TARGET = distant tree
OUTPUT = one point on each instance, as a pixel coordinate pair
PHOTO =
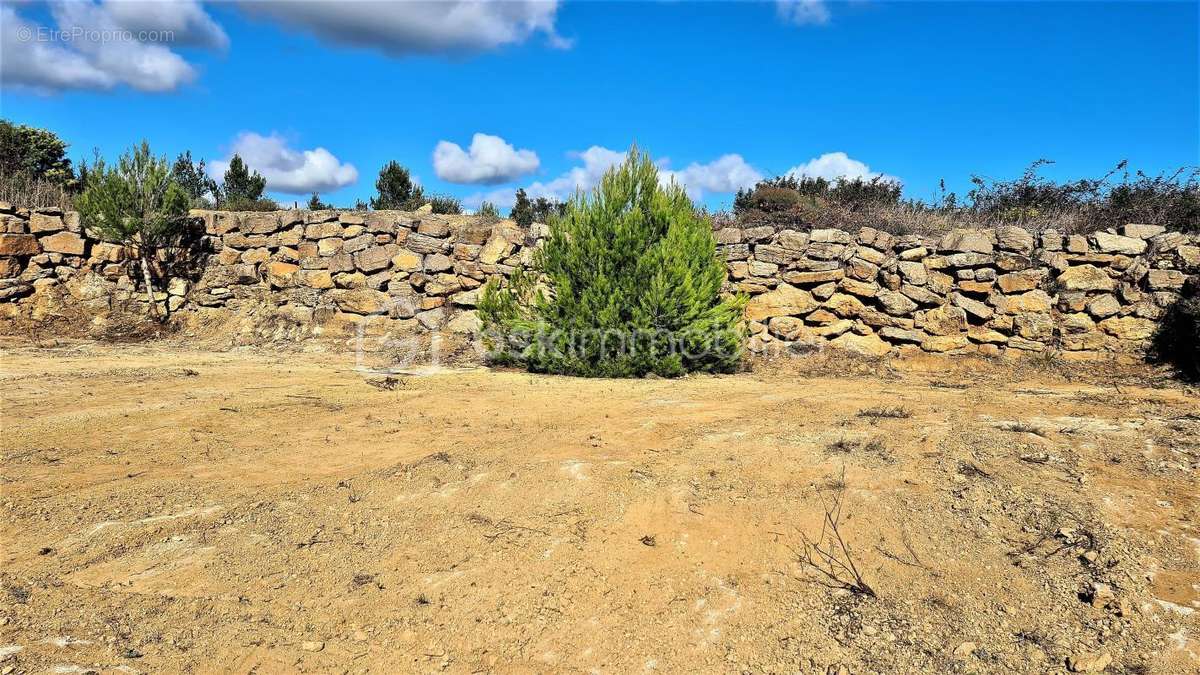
(243, 189)
(195, 181)
(38, 154)
(544, 209)
(522, 210)
(315, 203)
(445, 204)
(488, 210)
(138, 204)
(396, 189)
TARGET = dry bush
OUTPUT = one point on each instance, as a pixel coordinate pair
(21, 190)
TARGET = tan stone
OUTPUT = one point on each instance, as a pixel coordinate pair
(859, 288)
(1012, 238)
(867, 345)
(970, 306)
(318, 231)
(913, 272)
(496, 249)
(44, 222)
(329, 246)
(1032, 301)
(256, 255)
(982, 334)
(1089, 662)
(967, 241)
(10, 268)
(1025, 280)
(979, 287)
(1104, 305)
(945, 343)
(315, 278)
(1034, 326)
(944, 320)
(376, 258)
(1085, 278)
(360, 300)
(1165, 279)
(1115, 243)
(280, 274)
(787, 327)
(846, 306)
(1128, 327)
(64, 242)
(783, 301)
(804, 278)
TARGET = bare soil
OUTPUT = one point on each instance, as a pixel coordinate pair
(168, 509)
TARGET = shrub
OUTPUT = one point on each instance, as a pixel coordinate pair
(315, 203)
(195, 181)
(488, 210)
(34, 169)
(628, 283)
(396, 190)
(37, 153)
(1177, 340)
(137, 204)
(243, 189)
(1031, 201)
(445, 204)
(522, 210)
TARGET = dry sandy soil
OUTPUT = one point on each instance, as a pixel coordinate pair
(168, 509)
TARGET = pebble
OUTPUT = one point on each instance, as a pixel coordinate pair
(964, 650)
(313, 646)
(1088, 662)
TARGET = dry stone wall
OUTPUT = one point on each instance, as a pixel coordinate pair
(984, 291)
(330, 272)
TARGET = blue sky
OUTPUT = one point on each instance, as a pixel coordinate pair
(320, 95)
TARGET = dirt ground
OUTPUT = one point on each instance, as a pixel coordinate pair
(169, 509)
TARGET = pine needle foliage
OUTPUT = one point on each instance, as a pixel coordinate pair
(628, 283)
(136, 203)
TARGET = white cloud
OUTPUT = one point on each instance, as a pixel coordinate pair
(729, 173)
(596, 160)
(297, 172)
(105, 45)
(803, 12)
(503, 198)
(835, 165)
(489, 161)
(418, 27)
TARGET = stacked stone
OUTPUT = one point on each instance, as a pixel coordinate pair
(47, 262)
(986, 291)
(329, 266)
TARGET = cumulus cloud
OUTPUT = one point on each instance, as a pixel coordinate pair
(596, 160)
(297, 172)
(105, 45)
(728, 173)
(725, 174)
(489, 161)
(803, 12)
(418, 27)
(835, 165)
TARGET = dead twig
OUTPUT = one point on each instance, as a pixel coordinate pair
(828, 558)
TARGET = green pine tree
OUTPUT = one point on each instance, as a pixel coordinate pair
(632, 285)
(396, 189)
(242, 187)
(522, 210)
(137, 204)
